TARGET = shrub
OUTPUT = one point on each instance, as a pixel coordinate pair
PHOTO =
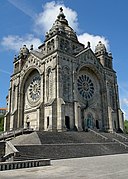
(126, 126)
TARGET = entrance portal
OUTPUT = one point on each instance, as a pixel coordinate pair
(89, 121)
(67, 122)
(115, 124)
(97, 124)
(28, 125)
(47, 121)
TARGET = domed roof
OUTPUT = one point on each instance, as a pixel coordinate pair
(61, 26)
(100, 47)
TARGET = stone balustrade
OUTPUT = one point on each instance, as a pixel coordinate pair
(24, 164)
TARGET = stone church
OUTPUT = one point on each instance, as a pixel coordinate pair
(63, 85)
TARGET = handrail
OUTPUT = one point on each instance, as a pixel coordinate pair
(120, 143)
(123, 137)
(102, 136)
(12, 133)
(24, 164)
(10, 152)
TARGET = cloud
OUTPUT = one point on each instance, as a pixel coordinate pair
(43, 22)
(45, 19)
(15, 42)
(85, 37)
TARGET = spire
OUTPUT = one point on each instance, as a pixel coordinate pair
(61, 14)
(61, 17)
(100, 48)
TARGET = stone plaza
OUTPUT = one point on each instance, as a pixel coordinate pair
(101, 167)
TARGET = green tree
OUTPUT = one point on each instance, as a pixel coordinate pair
(1, 123)
(126, 126)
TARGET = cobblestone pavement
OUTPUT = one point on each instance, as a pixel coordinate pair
(101, 167)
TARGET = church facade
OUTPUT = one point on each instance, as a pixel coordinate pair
(63, 85)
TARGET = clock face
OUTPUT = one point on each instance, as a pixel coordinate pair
(34, 89)
(85, 87)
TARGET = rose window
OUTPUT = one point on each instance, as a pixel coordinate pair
(34, 89)
(85, 87)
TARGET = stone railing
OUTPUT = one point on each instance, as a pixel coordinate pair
(121, 136)
(13, 133)
(24, 164)
(10, 152)
(98, 134)
(121, 143)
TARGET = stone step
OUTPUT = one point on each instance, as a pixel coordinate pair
(57, 151)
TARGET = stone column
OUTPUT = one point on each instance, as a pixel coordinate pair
(11, 121)
(110, 119)
(60, 114)
(121, 119)
(38, 119)
(20, 110)
(77, 111)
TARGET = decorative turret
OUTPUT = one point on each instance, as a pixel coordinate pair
(19, 60)
(102, 54)
(24, 51)
(100, 48)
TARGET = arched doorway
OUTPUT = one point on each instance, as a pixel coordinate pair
(114, 124)
(47, 121)
(89, 121)
(67, 122)
(28, 125)
(97, 124)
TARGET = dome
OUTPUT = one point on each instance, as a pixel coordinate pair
(61, 26)
(100, 47)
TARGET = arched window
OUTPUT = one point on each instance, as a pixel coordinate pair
(66, 83)
(52, 44)
(62, 44)
(49, 83)
(67, 122)
(13, 96)
(111, 96)
(48, 47)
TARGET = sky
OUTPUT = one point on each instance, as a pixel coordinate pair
(27, 21)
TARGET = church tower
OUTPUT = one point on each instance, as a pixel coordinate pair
(63, 85)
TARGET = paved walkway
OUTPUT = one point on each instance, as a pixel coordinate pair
(101, 167)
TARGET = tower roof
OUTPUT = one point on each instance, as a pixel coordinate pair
(61, 26)
(100, 47)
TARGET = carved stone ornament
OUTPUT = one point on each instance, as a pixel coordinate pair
(34, 89)
(85, 87)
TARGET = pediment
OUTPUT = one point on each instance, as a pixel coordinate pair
(87, 56)
(31, 61)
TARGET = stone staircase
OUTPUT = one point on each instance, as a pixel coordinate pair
(121, 137)
(68, 137)
(55, 145)
(68, 151)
